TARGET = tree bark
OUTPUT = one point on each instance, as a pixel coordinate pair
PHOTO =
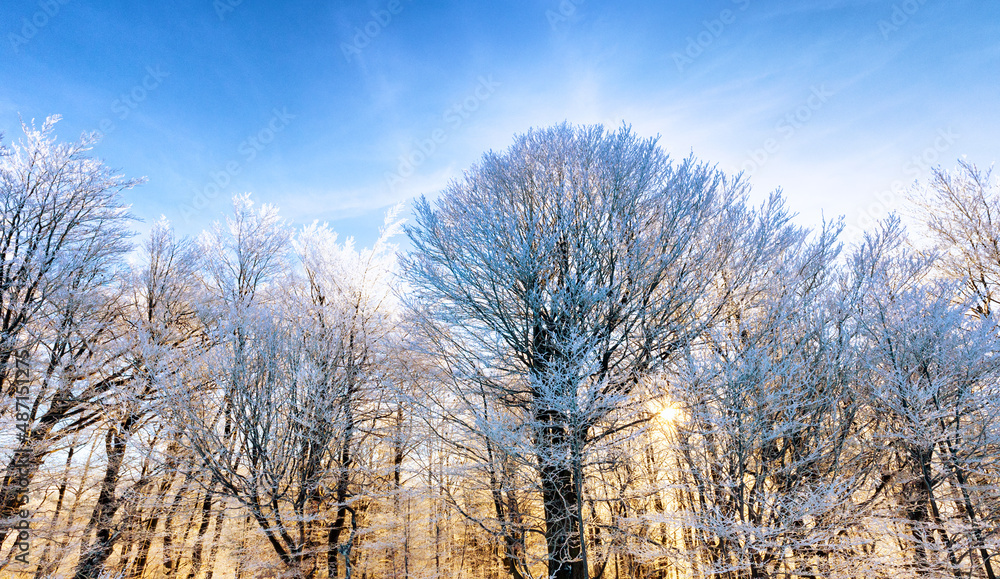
(559, 499)
(92, 562)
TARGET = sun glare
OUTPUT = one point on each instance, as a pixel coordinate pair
(668, 414)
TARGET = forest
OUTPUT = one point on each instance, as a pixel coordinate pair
(583, 359)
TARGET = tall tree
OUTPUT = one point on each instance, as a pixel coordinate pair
(961, 211)
(160, 328)
(63, 232)
(564, 270)
(768, 437)
(298, 386)
(932, 375)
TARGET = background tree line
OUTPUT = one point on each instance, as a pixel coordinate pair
(593, 361)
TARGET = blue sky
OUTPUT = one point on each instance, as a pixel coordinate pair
(336, 110)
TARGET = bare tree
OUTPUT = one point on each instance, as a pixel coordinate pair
(961, 211)
(933, 372)
(63, 234)
(768, 432)
(348, 314)
(567, 268)
(161, 330)
(296, 386)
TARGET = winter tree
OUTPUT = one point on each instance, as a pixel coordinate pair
(161, 333)
(961, 211)
(562, 272)
(64, 231)
(931, 379)
(298, 380)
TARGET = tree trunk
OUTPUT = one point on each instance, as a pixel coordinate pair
(216, 538)
(149, 526)
(92, 562)
(46, 568)
(206, 519)
(559, 499)
(170, 564)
